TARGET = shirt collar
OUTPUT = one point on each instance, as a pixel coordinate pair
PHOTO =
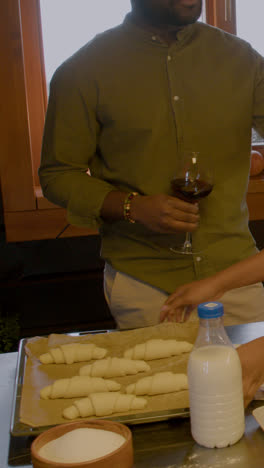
(184, 35)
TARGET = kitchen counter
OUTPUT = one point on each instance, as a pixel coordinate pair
(165, 444)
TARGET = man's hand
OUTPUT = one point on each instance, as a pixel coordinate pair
(252, 361)
(165, 214)
(179, 305)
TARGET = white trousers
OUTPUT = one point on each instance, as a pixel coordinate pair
(134, 304)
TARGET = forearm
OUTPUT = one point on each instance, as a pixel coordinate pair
(113, 206)
(251, 357)
(114, 203)
(241, 274)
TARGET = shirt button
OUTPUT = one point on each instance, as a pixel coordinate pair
(169, 58)
(198, 259)
(176, 98)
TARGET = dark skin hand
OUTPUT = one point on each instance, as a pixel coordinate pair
(252, 362)
(160, 212)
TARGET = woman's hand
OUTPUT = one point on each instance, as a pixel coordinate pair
(252, 361)
(188, 296)
(179, 305)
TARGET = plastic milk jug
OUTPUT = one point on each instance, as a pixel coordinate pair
(215, 382)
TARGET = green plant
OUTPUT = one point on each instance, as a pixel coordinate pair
(9, 332)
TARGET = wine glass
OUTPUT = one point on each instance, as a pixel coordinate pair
(193, 181)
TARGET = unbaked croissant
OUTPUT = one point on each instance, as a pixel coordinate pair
(162, 382)
(78, 386)
(114, 367)
(157, 349)
(103, 404)
(73, 352)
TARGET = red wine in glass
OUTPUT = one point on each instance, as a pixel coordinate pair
(189, 190)
(193, 182)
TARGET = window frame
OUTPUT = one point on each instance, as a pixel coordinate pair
(222, 14)
(27, 214)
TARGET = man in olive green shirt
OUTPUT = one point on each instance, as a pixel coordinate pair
(126, 106)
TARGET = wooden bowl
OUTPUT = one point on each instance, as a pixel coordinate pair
(119, 458)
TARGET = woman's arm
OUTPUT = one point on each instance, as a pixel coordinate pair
(251, 356)
(187, 297)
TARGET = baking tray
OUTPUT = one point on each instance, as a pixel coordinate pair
(18, 428)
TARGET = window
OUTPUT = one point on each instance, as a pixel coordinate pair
(84, 20)
(27, 214)
(249, 27)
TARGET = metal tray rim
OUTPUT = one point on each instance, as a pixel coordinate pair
(20, 429)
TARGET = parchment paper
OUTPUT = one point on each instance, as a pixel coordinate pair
(37, 412)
